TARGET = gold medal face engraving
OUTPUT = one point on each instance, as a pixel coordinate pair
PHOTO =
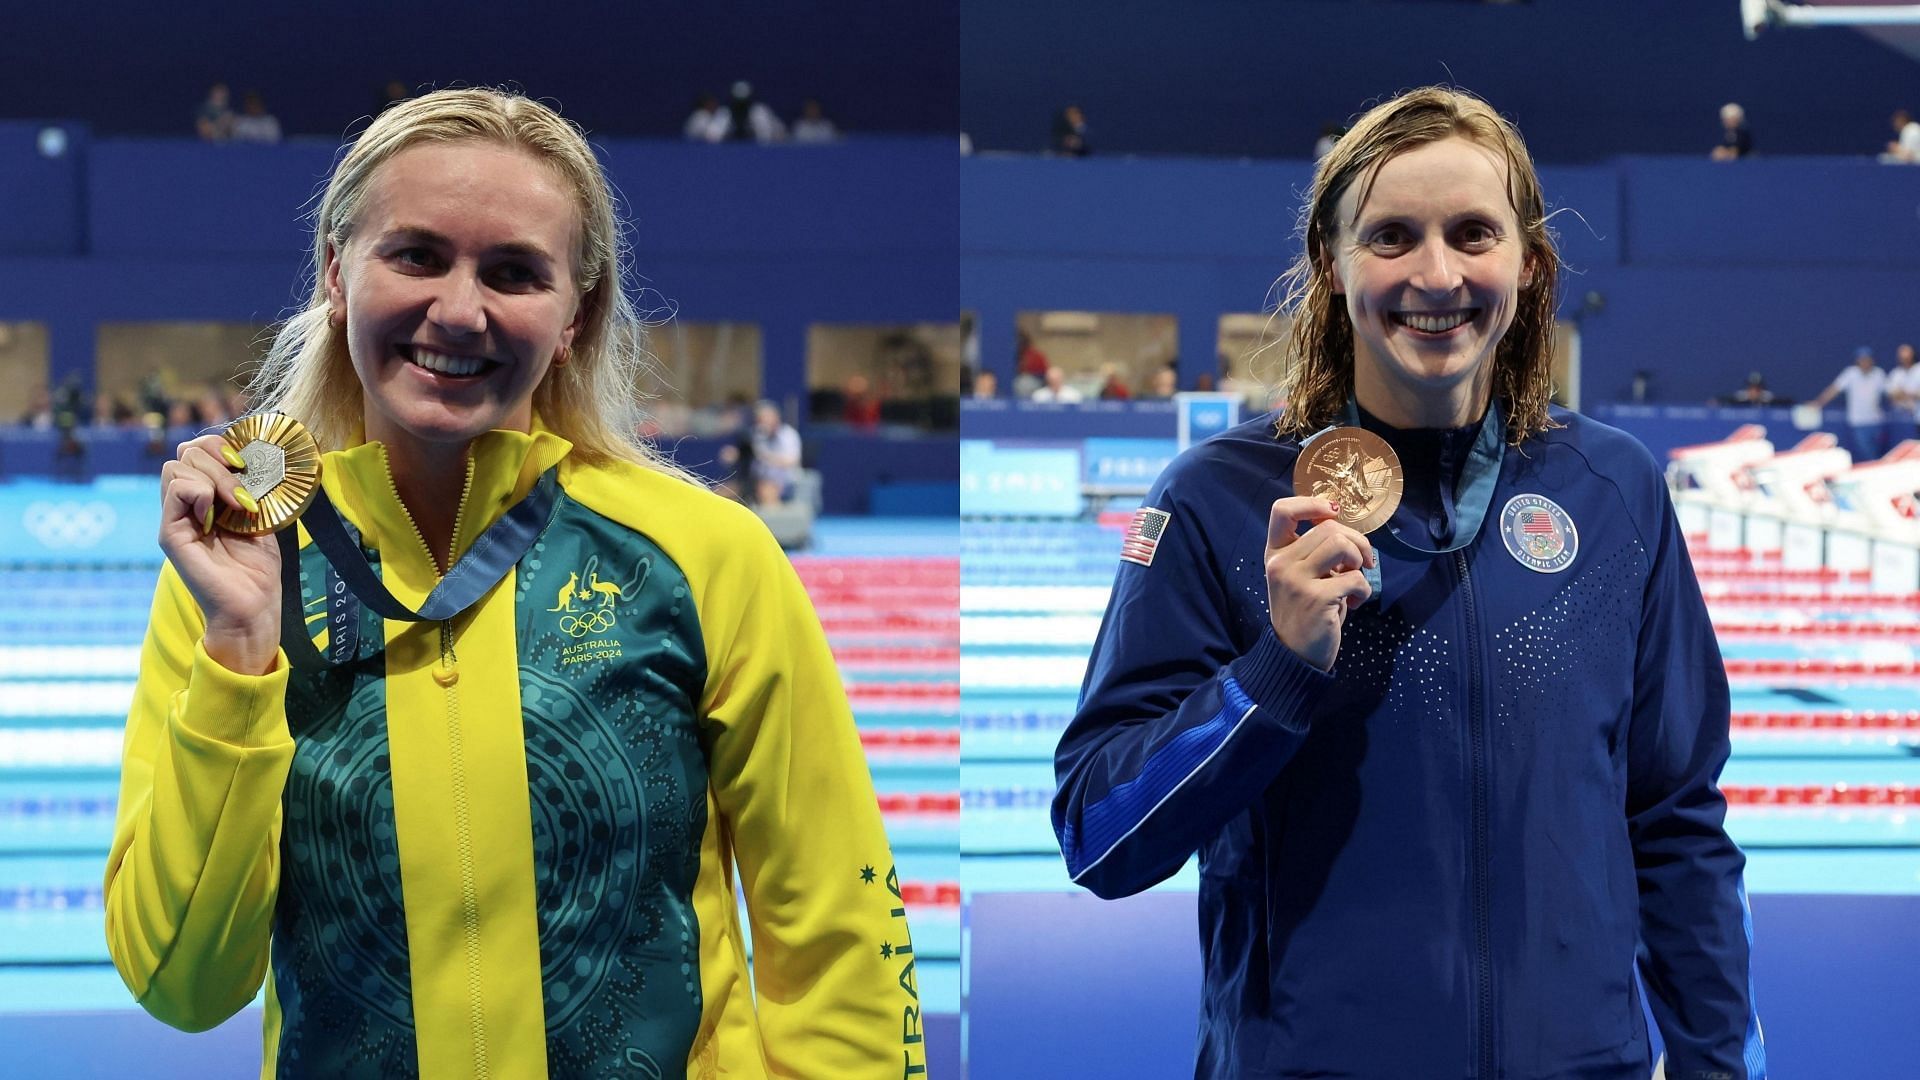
(282, 473)
(1355, 468)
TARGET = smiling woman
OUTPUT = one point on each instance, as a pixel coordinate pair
(496, 831)
(1442, 721)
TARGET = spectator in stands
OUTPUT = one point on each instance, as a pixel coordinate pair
(1057, 389)
(1111, 386)
(255, 124)
(1864, 384)
(776, 455)
(705, 122)
(1030, 366)
(213, 122)
(1903, 390)
(986, 386)
(210, 409)
(1249, 391)
(1163, 384)
(859, 408)
(1905, 147)
(1754, 392)
(39, 411)
(813, 125)
(632, 694)
(748, 119)
(113, 410)
(396, 91)
(1070, 133)
(1736, 141)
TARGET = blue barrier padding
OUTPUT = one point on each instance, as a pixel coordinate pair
(1064, 984)
(128, 1042)
(923, 499)
(1041, 482)
(1663, 428)
(854, 465)
(1003, 419)
(113, 520)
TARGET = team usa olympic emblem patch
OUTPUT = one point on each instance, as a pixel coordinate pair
(1539, 534)
(1143, 535)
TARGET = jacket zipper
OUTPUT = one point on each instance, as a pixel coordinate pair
(1481, 872)
(446, 674)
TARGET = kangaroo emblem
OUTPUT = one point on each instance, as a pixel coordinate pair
(565, 599)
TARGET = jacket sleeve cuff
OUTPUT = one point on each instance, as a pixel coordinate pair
(1276, 679)
(245, 711)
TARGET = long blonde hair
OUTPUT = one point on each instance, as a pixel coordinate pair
(594, 400)
(1319, 350)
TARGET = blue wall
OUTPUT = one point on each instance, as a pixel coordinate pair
(137, 229)
(1704, 271)
(617, 68)
(1585, 79)
(129, 229)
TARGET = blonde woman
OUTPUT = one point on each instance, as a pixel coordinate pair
(501, 840)
(1446, 764)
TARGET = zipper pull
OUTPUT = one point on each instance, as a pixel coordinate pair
(444, 672)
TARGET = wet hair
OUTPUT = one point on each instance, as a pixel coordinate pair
(1319, 348)
(593, 400)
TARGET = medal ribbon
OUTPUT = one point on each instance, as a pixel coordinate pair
(351, 580)
(1473, 494)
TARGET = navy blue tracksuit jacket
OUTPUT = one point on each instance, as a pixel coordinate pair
(1437, 860)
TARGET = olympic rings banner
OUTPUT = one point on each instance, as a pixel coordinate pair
(112, 519)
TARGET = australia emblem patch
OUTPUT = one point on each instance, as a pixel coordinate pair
(1539, 534)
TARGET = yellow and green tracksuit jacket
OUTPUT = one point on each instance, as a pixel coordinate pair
(503, 846)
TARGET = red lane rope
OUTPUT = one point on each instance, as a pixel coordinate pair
(1820, 795)
(1770, 599)
(1710, 573)
(914, 690)
(942, 803)
(937, 739)
(930, 893)
(1827, 721)
(898, 654)
(1821, 629)
(1889, 669)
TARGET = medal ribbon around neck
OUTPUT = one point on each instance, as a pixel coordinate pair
(1473, 494)
(283, 476)
(351, 580)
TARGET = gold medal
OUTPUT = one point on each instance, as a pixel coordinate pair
(1355, 468)
(282, 473)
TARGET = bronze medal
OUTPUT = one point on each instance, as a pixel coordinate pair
(1355, 468)
(282, 473)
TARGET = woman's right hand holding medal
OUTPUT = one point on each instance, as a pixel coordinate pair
(1313, 579)
(234, 578)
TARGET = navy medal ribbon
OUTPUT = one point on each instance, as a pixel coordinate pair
(351, 581)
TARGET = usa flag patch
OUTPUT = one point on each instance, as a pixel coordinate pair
(1143, 535)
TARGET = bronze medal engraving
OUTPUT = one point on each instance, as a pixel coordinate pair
(282, 473)
(1355, 468)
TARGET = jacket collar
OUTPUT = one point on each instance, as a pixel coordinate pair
(505, 466)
